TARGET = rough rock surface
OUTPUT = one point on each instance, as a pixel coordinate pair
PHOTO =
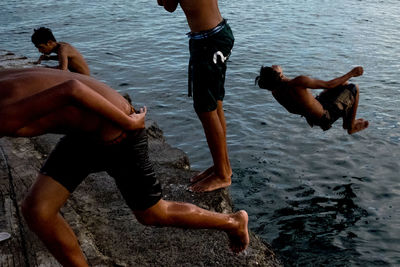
(107, 231)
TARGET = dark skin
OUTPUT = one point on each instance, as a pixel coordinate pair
(204, 15)
(68, 56)
(299, 100)
(41, 100)
(201, 15)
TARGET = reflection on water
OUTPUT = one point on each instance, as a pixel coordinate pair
(311, 226)
(298, 184)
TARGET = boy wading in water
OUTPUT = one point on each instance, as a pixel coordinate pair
(210, 44)
(68, 57)
(103, 133)
(338, 100)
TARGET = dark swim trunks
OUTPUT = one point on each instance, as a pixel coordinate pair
(209, 51)
(337, 103)
(127, 161)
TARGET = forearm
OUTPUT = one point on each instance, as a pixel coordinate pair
(62, 61)
(91, 100)
(355, 72)
(46, 58)
(339, 80)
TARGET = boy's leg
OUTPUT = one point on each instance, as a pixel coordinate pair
(41, 211)
(218, 176)
(210, 170)
(350, 123)
(185, 215)
(221, 115)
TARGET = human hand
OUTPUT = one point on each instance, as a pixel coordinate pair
(357, 71)
(138, 119)
(42, 57)
(39, 60)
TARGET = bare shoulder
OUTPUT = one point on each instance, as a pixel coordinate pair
(305, 82)
(300, 79)
(67, 48)
(64, 44)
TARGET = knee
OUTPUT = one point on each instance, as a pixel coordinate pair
(36, 213)
(153, 216)
(149, 218)
(145, 219)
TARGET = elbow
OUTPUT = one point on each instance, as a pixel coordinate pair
(72, 89)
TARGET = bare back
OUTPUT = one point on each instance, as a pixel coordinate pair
(201, 14)
(76, 62)
(20, 84)
(16, 84)
(298, 100)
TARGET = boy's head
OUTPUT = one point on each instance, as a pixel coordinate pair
(270, 77)
(44, 40)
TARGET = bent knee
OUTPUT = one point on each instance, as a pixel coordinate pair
(145, 220)
(36, 213)
(149, 218)
(156, 215)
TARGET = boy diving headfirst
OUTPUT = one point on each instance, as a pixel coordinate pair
(103, 133)
(338, 100)
(210, 44)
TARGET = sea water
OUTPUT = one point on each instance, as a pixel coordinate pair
(319, 198)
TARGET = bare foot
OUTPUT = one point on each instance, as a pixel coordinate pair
(358, 125)
(202, 175)
(210, 183)
(239, 238)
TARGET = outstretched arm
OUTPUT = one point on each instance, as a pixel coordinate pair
(169, 5)
(307, 82)
(45, 57)
(71, 93)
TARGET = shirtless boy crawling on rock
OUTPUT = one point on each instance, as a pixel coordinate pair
(68, 57)
(338, 100)
(109, 136)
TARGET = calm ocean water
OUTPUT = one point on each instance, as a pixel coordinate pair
(320, 198)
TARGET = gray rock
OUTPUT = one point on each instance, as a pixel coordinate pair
(106, 228)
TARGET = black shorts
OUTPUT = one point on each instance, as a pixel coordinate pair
(75, 157)
(207, 68)
(337, 103)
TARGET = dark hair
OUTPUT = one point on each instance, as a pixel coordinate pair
(269, 79)
(42, 36)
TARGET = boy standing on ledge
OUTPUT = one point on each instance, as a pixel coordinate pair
(68, 57)
(210, 44)
(338, 100)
